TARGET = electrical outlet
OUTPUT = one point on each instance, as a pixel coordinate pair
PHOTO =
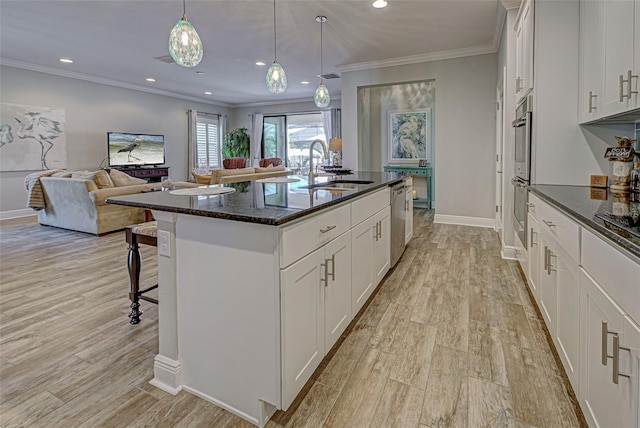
(164, 243)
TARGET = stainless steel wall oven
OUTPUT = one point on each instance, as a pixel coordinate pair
(522, 166)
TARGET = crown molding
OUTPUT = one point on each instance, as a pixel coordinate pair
(88, 78)
(272, 103)
(416, 59)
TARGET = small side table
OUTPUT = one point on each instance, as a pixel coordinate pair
(418, 173)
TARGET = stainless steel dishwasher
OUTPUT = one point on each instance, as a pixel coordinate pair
(398, 217)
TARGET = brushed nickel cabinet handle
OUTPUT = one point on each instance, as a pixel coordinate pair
(328, 229)
(531, 240)
(550, 266)
(616, 359)
(549, 223)
(380, 229)
(375, 232)
(621, 90)
(605, 336)
(326, 278)
(531, 205)
(630, 90)
(546, 258)
(333, 266)
(591, 97)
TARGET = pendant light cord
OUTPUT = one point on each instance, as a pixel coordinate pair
(275, 54)
(184, 10)
(321, 66)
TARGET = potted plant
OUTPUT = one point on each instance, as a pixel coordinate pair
(236, 144)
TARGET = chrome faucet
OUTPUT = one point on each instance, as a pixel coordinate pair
(312, 175)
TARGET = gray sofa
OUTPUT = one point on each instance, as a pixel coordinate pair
(78, 204)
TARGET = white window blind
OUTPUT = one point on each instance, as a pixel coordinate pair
(208, 141)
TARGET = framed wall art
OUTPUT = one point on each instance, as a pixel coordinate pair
(409, 136)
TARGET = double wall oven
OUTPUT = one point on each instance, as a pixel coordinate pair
(522, 166)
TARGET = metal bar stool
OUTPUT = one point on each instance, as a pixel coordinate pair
(143, 233)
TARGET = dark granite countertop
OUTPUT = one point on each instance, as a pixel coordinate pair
(271, 204)
(580, 204)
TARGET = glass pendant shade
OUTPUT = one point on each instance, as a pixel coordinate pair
(185, 46)
(276, 79)
(322, 98)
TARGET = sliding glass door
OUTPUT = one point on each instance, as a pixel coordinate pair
(288, 137)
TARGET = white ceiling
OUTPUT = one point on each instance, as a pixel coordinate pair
(116, 41)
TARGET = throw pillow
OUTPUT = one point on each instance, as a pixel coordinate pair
(120, 179)
(103, 180)
(62, 174)
(84, 175)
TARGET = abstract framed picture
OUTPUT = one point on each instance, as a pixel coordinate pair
(32, 138)
(409, 135)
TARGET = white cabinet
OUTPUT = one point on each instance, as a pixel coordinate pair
(534, 256)
(381, 252)
(316, 310)
(553, 279)
(591, 59)
(337, 288)
(630, 365)
(302, 335)
(601, 318)
(408, 207)
(370, 256)
(610, 57)
(524, 49)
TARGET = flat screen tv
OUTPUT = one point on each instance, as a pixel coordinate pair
(135, 149)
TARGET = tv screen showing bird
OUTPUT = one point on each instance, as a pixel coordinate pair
(127, 149)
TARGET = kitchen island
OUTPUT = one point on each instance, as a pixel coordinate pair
(257, 285)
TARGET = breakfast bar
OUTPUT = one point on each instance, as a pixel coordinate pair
(257, 285)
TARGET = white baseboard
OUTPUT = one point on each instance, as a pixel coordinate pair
(225, 406)
(509, 253)
(27, 212)
(464, 221)
(167, 374)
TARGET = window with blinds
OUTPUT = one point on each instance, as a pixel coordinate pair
(208, 141)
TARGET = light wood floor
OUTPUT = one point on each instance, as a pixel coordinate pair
(451, 339)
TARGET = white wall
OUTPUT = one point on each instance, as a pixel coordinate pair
(464, 128)
(240, 116)
(91, 111)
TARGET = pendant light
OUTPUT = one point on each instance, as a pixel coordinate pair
(276, 79)
(321, 98)
(185, 46)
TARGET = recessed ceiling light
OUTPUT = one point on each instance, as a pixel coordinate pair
(207, 93)
(150, 79)
(199, 72)
(304, 82)
(379, 4)
(66, 60)
(260, 64)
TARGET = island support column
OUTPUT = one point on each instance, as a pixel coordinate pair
(167, 370)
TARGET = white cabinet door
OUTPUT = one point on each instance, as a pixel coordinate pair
(630, 365)
(591, 59)
(302, 306)
(362, 239)
(408, 222)
(567, 332)
(548, 281)
(618, 35)
(524, 49)
(600, 398)
(382, 245)
(534, 256)
(336, 280)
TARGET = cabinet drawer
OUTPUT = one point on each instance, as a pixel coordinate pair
(302, 238)
(367, 206)
(616, 273)
(559, 226)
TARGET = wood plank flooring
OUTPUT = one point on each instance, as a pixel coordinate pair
(451, 339)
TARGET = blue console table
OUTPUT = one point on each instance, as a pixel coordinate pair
(418, 173)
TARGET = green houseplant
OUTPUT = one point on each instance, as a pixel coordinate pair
(236, 144)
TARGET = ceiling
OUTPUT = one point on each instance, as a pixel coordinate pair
(117, 42)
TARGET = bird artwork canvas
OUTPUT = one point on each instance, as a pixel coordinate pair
(32, 138)
(409, 136)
